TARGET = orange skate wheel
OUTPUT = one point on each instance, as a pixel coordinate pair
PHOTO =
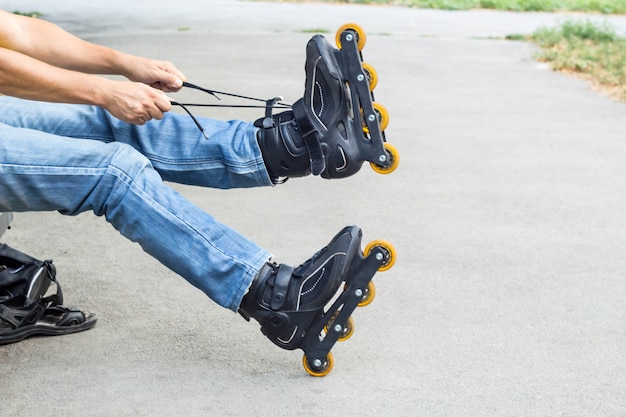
(392, 152)
(357, 30)
(347, 331)
(369, 295)
(383, 115)
(372, 75)
(327, 366)
(390, 253)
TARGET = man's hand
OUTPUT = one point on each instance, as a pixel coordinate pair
(162, 75)
(136, 102)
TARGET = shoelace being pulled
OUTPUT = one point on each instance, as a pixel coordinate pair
(276, 102)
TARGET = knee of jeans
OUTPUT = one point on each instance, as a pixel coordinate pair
(128, 159)
(127, 168)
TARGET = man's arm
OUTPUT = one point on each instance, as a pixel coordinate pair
(25, 77)
(40, 61)
(49, 43)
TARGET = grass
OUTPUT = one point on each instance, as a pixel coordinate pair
(315, 30)
(591, 50)
(29, 14)
(597, 6)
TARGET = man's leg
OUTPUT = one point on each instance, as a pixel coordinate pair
(43, 172)
(230, 158)
(39, 171)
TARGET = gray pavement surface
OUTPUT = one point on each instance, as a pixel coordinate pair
(508, 213)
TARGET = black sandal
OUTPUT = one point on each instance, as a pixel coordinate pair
(35, 315)
(41, 319)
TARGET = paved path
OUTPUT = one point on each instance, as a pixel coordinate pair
(508, 213)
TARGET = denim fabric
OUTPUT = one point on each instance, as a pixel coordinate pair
(74, 158)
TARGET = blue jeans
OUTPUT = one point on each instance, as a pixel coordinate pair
(73, 158)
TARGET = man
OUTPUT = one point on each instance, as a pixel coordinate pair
(73, 141)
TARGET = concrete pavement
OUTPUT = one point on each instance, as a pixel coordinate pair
(507, 213)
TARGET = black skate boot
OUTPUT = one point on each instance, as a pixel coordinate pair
(292, 304)
(336, 126)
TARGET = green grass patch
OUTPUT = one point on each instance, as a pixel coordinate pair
(599, 6)
(517, 37)
(594, 6)
(29, 14)
(594, 50)
(315, 30)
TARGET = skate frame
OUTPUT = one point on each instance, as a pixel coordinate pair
(363, 100)
(325, 331)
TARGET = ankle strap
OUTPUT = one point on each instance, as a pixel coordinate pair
(281, 286)
(311, 138)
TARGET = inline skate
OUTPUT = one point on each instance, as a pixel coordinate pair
(309, 307)
(337, 125)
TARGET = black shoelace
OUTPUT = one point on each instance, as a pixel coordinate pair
(270, 104)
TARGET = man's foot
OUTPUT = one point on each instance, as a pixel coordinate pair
(285, 300)
(335, 127)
